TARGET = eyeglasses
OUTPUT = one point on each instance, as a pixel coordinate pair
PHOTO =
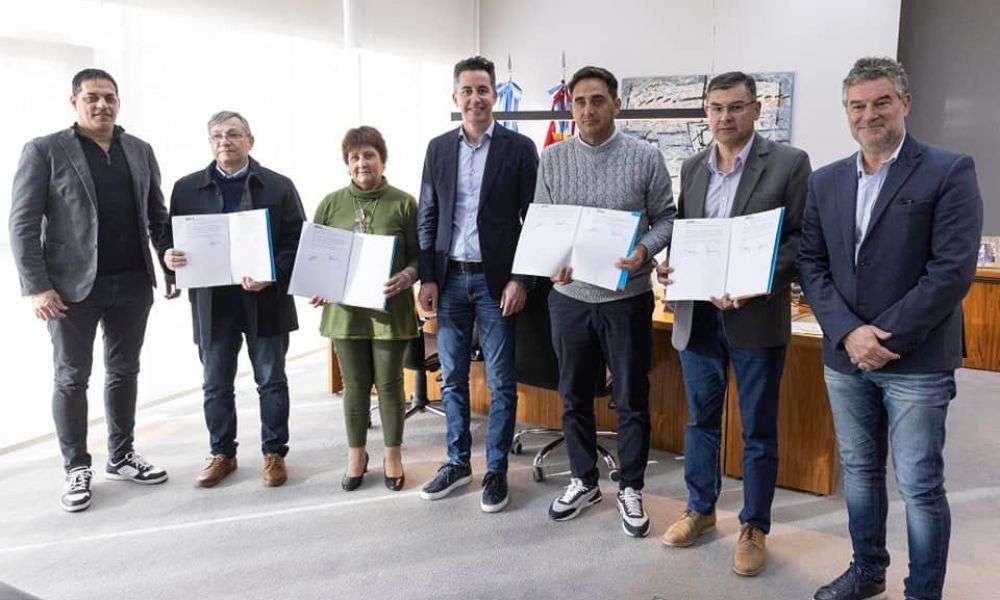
(229, 136)
(735, 109)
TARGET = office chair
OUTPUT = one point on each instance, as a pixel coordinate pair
(418, 360)
(421, 357)
(537, 366)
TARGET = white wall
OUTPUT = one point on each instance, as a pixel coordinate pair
(817, 40)
(284, 65)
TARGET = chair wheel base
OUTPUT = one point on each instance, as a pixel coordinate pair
(538, 474)
(517, 448)
(614, 475)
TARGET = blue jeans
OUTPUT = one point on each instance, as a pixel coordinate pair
(758, 380)
(219, 360)
(874, 413)
(466, 299)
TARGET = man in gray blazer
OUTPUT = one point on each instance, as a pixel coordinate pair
(86, 204)
(740, 173)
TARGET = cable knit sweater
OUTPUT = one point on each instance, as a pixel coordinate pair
(623, 173)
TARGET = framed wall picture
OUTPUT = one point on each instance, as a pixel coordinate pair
(989, 248)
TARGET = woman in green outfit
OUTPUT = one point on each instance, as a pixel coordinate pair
(370, 343)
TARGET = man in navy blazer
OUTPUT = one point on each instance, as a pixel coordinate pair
(478, 181)
(888, 251)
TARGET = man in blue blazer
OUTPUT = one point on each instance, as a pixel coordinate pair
(888, 251)
(478, 181)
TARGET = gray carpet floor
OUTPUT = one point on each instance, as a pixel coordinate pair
(309, 539)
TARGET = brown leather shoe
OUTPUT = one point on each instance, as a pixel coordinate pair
(215, 470)
(686, 529)
(750, 558)
(274, 470)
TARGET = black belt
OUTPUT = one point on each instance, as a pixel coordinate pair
(465, 267)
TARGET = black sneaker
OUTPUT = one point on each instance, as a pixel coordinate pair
(76, 489)
(134, 468)
(634, 519)
(851, 585)
(448, 478)
(494, 492)
(578, 496)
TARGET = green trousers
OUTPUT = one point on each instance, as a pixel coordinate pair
(364, 363)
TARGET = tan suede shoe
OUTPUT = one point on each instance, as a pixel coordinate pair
(215, 470)
(686, 529)
(274, 470)
(750, 558)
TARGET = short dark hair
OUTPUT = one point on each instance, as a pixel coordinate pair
(477, 63)
(725, 81)
(90, 75)
(364, 136)
(591, 72)
(870, 68)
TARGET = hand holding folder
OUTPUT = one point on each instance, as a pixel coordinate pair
(724, 258)
(587, 240)
(224, 249)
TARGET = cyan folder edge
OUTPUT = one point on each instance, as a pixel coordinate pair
(623, 279)
(270, 243)
(777, 247)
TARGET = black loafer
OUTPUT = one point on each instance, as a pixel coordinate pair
(395, 483)
(352, 483)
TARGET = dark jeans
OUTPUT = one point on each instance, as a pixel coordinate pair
(120, 303)
(219, 361)
(758, 380)
(465, 300)
(621, 332)
(874, 413)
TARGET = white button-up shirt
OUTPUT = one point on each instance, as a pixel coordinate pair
(869, 187)
(721, 185)
(464, 228)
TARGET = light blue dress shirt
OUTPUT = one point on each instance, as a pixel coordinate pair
(721, 185)
(869, 187)
(464, 228)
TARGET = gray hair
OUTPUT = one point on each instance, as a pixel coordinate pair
(871, 68)
(225, 115)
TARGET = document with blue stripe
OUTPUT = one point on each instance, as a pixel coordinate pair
(715, 257)
(588, 239)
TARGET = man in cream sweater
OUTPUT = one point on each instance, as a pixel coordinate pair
(603, 167)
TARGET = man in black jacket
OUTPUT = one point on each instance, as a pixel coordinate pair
(478, 181)
(261, 311)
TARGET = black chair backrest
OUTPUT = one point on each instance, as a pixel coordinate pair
(535, 360)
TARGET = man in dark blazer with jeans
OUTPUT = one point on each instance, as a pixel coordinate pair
(260, 311)
(86, 204)
(890, 239)
(478, 181)
(740, 173)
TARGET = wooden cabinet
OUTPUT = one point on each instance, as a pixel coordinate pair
(982, 321)
(807, 446)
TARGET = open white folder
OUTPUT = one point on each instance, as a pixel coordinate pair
(714, 257)
(342, 266)
(585, 238)
(222, 249)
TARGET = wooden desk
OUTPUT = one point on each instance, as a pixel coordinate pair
(982, 321)
(806, 442)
